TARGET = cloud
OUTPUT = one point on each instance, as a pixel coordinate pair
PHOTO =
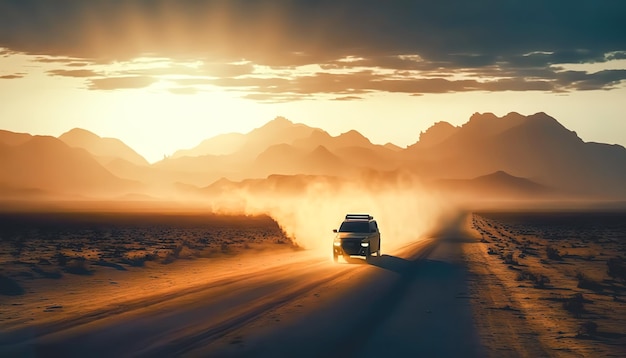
(113, 83)
(431, 46)
(74, 73)
(348, 98)
(13, 76)
(583, 81)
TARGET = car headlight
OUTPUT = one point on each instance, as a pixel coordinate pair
(365, 244)
(337, 242)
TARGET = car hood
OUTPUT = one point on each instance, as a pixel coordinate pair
(352, 235)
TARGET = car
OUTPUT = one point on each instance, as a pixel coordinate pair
(358, 235)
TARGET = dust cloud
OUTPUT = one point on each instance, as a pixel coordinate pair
(405, 210)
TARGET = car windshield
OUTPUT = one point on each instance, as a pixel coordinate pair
(355, 226)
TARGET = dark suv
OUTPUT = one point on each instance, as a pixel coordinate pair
(358, 235)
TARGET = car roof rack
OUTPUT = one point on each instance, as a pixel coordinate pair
(359, 217)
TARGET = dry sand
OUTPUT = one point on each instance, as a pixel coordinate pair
(527, 303)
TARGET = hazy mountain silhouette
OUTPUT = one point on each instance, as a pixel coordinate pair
(536, 147)
(513, 154)
(436, 134)
(45, 164)
(104, 149)
(287, 159)
(393, 147)
(235, 165)
(248, 146)
(319, 137)
(11, 138)
(499, 184)
(273, 184)
(222, 144)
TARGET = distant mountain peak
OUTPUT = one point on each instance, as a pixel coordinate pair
(542, 116)
(498, 174)
(281, 119)
(392, 146)
(542, 122)
(278, 122)
(101, 147)
(488, 124)
(320, 149)
(477, 116)
(355, 137)
(437, 133)
(79, 134)
(513, 116)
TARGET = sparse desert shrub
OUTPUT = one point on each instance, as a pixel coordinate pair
(616, 268)
(226, 249)
(587, 329)
(169, 258)
(139, 260)
(575, 304)
(77, 266)
(587, 282)
(492, 251)
(589, 257)
(553, 253)
(61, 259)
(509, 260)
(538, 280)
(10, 287)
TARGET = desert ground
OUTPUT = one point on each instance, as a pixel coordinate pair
(483, 284)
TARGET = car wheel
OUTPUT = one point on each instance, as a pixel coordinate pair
(368, 254)
(378, 251)
(335, 257)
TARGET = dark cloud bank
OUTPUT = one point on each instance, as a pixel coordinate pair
(517, 45)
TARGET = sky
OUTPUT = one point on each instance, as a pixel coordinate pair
(164, 75)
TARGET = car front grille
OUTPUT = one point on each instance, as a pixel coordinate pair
(351, 246)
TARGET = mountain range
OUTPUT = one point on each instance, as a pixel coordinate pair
(510, 156)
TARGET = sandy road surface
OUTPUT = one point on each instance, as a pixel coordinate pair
(412, 301)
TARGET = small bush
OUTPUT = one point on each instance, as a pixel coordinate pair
(10, 287)
(226, 249)
(61, 259)
(575, 304)
(553, 253)
(538, 280)
(77, 266)
(139, 260)
(587, 282)
(509, 260)
(616, 268)
(587, 329)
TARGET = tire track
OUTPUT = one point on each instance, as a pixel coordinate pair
(24, 335)
(187, 343)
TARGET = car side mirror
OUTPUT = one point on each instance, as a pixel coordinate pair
(334, 230)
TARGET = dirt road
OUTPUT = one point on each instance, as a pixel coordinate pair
(412, 301)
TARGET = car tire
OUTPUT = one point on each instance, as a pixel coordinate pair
(368, 254)
(335, 257)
